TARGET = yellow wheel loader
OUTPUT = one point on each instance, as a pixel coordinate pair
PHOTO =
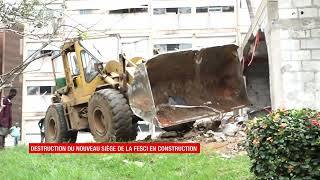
(109, 97)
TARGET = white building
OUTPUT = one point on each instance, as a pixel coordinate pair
(134, 27)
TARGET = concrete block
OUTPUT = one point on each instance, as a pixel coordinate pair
(286, 55)
(315, 54)
(316, 2)
(310, 87)
(284, 34)
(290, 66)
(294, 34)
(317, 77)
(307, 104)
(308, 12)
(310, 43)
(290, 104)
(311, 66)
(290, 44)
(284, 4)
(301, 3)
(299, 33)
(288, 13)
(295, 77)
(317, 96)
(315, 32)
(290, 85)
(306, 96)
(300, 55)
(294, 3)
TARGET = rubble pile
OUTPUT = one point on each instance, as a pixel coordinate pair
(226, 134)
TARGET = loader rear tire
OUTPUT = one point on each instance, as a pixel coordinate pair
(110, 117)
(55, 126)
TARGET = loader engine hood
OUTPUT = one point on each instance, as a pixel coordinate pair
(180, 87)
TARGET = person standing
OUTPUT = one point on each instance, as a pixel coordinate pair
(41, 127)
(6, 116)
(15, 133)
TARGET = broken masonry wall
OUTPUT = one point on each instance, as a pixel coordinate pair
(299, 31)
(257, 83)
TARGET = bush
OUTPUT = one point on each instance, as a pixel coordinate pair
(285, 145)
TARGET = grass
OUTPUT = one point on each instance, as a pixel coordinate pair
(16, 163)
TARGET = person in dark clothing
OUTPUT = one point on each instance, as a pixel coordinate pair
(41, 127)
(6, 116)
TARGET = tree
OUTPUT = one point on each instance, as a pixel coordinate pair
(249, 5)
(26, 12)
(31, 12)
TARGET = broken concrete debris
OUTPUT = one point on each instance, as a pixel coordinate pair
(227, 132)
(242, 133)
(220, 137)
(230, 129)
(207, 124)
(169, 134)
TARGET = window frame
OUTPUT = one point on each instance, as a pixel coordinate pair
(174, 10)
(83, 67)
(38, 91)
(73, 63)
(86, 11)
(47, 93)
(202, 7)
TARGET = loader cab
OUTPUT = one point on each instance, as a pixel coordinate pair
(80, 76)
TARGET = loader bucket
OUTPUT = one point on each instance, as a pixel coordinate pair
(176, 88)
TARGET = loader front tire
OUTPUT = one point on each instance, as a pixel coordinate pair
(110, 117)
(55, 126)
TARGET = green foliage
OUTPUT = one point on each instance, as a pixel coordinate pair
(285, 145)
(33, 12)
(83, 35)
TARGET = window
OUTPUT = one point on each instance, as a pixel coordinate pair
(58, 65)
(172, 10)
(158, 11)
(185, 10)
(88, 66)
(131, 10)
(185, 46)
(201, 9)
(138, 10)
(40, 90)
(86, 11)
(48, 52)
(73, 63)
(33, 90)
(55, 52)
(180, 10)
(228, 9)
(215, 9)
(171, 47)
(30, 52)
(46, 90)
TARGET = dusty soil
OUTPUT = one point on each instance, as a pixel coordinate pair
(226, 145)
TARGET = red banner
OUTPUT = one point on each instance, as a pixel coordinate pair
(40, 148)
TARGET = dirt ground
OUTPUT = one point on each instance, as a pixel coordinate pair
(209, 140)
